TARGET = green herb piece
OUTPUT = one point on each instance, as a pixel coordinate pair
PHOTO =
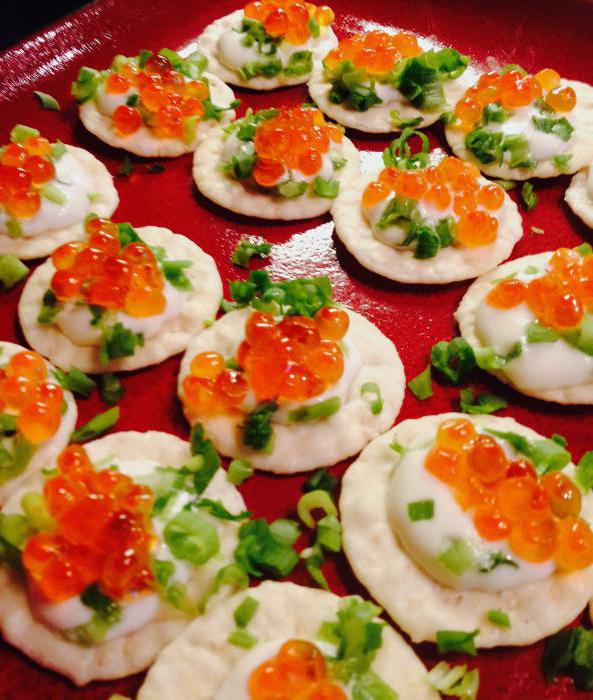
(259, 551)
(14, 461)
(454, 681)
(12, 270)
(349, 87)
(329, 534)
(570, 652)
(561, 128)
(192, 67)
(494, 112)
(495, 560)
(512, 67)
(245, 612)
(299, 63)
(421, 510)
(485, 145)
(239, 471)
(58, 149)
(315, 411)
(399, 123)
(211, 111)
(268, 68)
(487, 358)
(231, 575)
(320, 480)
(315, 500)
(54, 194)
(106, 613)
(247, 249)
(96, 426)
(528, 196)
(35, 510)
(506, 184)
(328, 189)
(47, 101)
(376, 401)
(257, 429)
(482, 404)
(585, 250)
(313, 559)
(14, 228)
(217, 510)
(111, 390)
(76, 381)
(368, 686)
(8, 424)
(561, 162)
(21, 133)
(457, 556)
(104, 606)
(454, 359)
(459, 642)
(192, 538)
(498, 617)
(118, 341)
(518, 147)
(537, 333)
(399, 153)
(209, 461)
(584, 472)
(85, 86)
(421, 384)
(126, 167)
(242, 638)
(546, 454)
(285, 531)
(173, 270)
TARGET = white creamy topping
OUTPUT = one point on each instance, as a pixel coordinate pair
(236, 685)
(542, 146)
(72, 181)
(540, 366)
(75, 319)
(425, 540)
(232, 53)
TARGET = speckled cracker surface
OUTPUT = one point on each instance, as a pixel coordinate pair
(199, 305)
(377, 119)
(208, 44)
(194, 666)
(46, 453)
(579, 195)
(304, 446)
(582, 144)
(232, 194)
(415, 601)
(133, 652)
(449, 265)
(466, 317)
(142, 142)
(105, 204)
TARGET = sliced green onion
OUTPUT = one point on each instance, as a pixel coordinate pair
(315, 500)
(245, 612)
(329, 533)
(58, 149)
(247, 249)
(15, 529)
(21, 133)
(315, 411)
(457, 556)
(12, 270)
(242, 638)
(192, 538)
(506, 184)
(14, 228)
(528, 196)
(205, 449)
(368, 686)
(498, 617)
(96, 426)
(454, 681)
(33, 505)
(483, 404)
(76, 381)
(231, 575)
(454, 359)
(239, 471)
(585, 249)
(47, 101)
(313, 559)
(584, 471)
(457, 641)
(421, 384)
(421, 510)
(285, 531)
(376, 400)
(321, 479)
(112, 389)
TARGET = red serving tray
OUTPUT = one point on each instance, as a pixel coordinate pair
(531, 33)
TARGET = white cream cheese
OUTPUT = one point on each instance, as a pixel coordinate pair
(73, 182)
(426, 540)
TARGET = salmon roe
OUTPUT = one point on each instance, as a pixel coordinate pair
(538, 516)
(512, 90)
(25, 168)
(297, 672)
(102, 273)
(296, 138)
(102, 532)
(290, 20)
(559, 299)
(451, 182)
(26, 393)
(376, 52)
(166, 99)
(295, 359)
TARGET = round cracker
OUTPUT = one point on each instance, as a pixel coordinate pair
(417, 603)
(466, 318)
(579, 198)
(46, 453)
(208, 44)
(133, 652)
(142, 142)
(232, 194)
(286, 611)
(451, 264)
(199, 305)
(43, 244)
(582, 148)
(305, 446)
(377, 119)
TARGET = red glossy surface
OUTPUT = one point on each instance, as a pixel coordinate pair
(531, 33)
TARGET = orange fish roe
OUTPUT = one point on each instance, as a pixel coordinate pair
(288, 19)
(297, 672)
(376, 52)
(167, 100)
(26, 394)
(511, 91)
(451, 182)
(296, 359)
(538, 516)
(102, 532)
(296, 138)
(559, 299)
(102, 273)
(25, 168)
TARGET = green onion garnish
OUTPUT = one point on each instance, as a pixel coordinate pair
(242, 638)
(315, 500)
(373, 389)
(47, 101)
(457, 641)
(421, 384)
(498, 617)
(421, 510)
(96, 426)
(12, 270)
(239, 471)
(246, 610)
